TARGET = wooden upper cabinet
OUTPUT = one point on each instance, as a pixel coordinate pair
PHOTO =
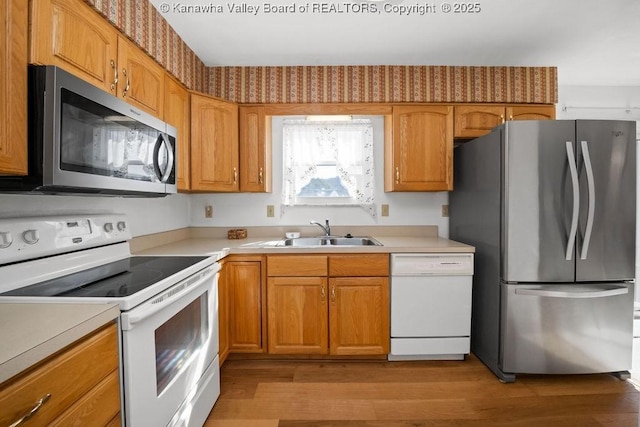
(141, 79)
(214, 144)
(13, 90)
(472, 121)
(255, 150)
(419, 156)
(531, 112)
(176, 113)
(73, 36)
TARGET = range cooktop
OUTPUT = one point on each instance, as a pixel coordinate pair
(116, 279)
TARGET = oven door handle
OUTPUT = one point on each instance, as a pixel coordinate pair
(168, 297)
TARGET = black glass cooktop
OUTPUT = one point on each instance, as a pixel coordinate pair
(117, 279)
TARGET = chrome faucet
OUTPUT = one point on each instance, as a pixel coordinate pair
(325, 228)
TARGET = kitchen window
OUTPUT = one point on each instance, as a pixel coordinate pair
(328, 161)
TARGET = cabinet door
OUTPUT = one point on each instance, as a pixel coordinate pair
(472, 121)
(421, 155)
(141, 79)
(176, 113)
(297, 315)
(531, 112)
(214, 144)
(13, 90)
(359, 316)
(73, 36)
(245, 306)
(255, 150)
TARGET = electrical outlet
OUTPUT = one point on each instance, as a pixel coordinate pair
(271, 211)
(385, 210)
(445, 210)
(208, 211)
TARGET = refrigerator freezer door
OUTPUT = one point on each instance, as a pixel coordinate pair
(567, 329)
(539, 192)
(606, 232)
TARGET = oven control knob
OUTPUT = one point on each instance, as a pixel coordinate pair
(6, 239)
(108, 227)
(122, 225)
(31, 236)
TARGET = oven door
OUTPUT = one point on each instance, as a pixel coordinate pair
(168, 343)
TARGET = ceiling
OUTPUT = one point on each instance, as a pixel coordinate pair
(592, 42)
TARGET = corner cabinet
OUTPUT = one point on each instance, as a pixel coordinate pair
(13, 92)
(472, 121)
(214, 144)
(255, 150)
(419, 153)
(334, 305)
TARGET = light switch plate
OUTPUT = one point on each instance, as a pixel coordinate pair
(445, 210)
(208, 211)
(271, 211)
(384, 210)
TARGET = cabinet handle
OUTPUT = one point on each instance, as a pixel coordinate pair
(333, 293)
(322, 293)
(115, 75)
(33, 411)
(235, 175)
(128, 85)
(502, 118)
(397, 175)
(260, 176)
(511, 117)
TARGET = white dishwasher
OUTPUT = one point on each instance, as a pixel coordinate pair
(430, 306)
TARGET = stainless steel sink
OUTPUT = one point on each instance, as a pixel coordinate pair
(329, 241)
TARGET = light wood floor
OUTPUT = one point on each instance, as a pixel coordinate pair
(268, 393)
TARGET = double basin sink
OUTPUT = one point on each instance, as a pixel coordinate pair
(309, 242)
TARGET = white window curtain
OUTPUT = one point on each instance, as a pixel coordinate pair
(309, 147)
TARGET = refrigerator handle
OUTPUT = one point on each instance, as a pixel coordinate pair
(601, 293)
(592, 199)
(571, 241)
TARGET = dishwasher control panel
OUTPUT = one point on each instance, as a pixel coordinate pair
(431, 264)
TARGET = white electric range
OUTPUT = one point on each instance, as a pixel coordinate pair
(169, 307)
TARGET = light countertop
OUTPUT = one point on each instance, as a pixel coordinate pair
(31, 332)
(267, 245)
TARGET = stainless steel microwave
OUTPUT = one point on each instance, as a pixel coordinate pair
(86, 141)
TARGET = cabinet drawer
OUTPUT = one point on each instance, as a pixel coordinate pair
(297, 265)
(67, 376)
(359, 265)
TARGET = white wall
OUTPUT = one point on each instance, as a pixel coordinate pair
(146, 215)
(248, 209)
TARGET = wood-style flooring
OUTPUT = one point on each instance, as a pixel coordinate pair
(270, 393)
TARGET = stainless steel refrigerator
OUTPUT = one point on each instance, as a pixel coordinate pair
(550, 207)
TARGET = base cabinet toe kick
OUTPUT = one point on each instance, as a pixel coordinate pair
(430, 306)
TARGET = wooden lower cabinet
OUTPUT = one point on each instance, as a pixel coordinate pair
(297, 315)
(83, 381)
(314, 309)
(359, 315)
(242, 278)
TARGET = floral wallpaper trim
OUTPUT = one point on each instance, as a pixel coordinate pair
(143, 24)
(384, 83)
